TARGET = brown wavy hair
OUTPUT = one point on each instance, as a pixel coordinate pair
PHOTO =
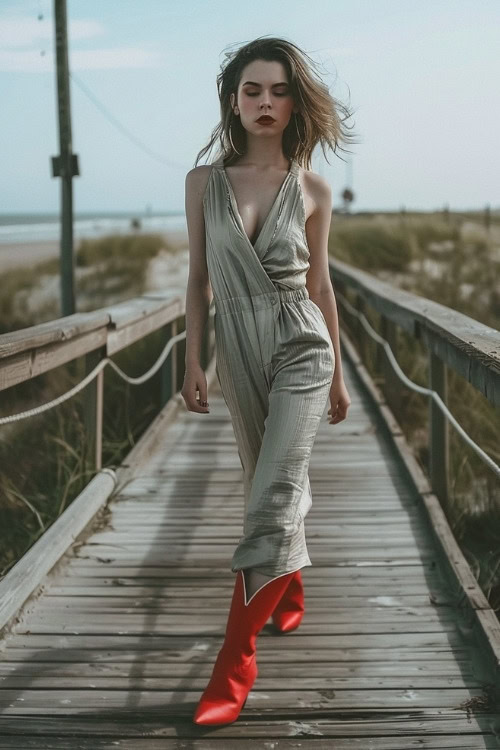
(321, 117)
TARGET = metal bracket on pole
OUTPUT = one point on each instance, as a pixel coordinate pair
(56, 166)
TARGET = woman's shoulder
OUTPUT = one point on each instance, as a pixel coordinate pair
(199, 173)
(197, 178)
(315, 182)
(315, 189)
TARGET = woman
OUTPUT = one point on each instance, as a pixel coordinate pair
(258, 229)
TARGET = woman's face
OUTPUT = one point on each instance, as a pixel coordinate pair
(263, 89)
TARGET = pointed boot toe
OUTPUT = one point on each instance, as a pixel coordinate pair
(212, 713)
(226, 693)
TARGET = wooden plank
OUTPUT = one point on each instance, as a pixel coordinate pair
(406, 603)
(431, 730)
(314, 575)
(355, 533)
(135, 319)
(174, 564)
(62, 588)
(430, 743)
(181, 624)
(389, 674)
(180, 703)
(52, 332)
(393, 641)
(27, 365)
(169, 682)
(95, 649)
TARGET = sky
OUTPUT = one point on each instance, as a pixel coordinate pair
(422, 78)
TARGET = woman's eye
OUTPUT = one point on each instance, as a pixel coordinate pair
(277, 93)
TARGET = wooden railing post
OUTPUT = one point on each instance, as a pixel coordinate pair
(174, 355)
(340, 287)
(361, 333)
(392, 384)
(93, 409)
(168, 369)
(380, 355)
(438, 430)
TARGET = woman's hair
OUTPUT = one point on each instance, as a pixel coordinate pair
(320, 118)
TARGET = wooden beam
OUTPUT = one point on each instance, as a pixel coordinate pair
(439, 457)
(29, 572)
(462, 343)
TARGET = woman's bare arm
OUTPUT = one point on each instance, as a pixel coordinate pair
(319, 284)
(199, 291)
(318, 280)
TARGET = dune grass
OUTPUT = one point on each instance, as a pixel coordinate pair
(108, 270)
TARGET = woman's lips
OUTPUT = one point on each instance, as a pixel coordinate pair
(266, 121)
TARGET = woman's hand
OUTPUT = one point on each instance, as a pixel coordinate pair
(195, 380)
(339, 401)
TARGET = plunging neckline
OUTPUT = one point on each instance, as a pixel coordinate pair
(236, 210)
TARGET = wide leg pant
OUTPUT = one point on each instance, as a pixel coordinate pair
(275, 362)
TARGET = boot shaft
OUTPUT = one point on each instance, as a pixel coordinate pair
(247, 616)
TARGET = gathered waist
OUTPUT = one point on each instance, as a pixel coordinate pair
(259, 301)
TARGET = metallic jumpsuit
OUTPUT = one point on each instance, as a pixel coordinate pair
(275, 363)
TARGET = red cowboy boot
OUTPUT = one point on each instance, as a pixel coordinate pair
(235, 668)
(290, 610)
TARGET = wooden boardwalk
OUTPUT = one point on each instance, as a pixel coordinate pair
(118, 648)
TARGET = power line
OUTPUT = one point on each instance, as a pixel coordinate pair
(114, 121)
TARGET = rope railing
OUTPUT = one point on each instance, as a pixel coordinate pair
(91, 375)
(178, 337)
(414, 386)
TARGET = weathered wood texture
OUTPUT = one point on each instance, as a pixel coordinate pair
(29, 352)
(465, 345)
(118, 648)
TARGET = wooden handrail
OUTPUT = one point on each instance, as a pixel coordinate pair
(452, 340)
(470, 348)
(29, 352)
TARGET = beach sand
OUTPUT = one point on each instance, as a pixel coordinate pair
(19, 254)
(23, 254)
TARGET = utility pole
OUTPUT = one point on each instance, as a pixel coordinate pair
(66, 164)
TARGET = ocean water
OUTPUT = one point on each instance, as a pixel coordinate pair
(17, 228)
